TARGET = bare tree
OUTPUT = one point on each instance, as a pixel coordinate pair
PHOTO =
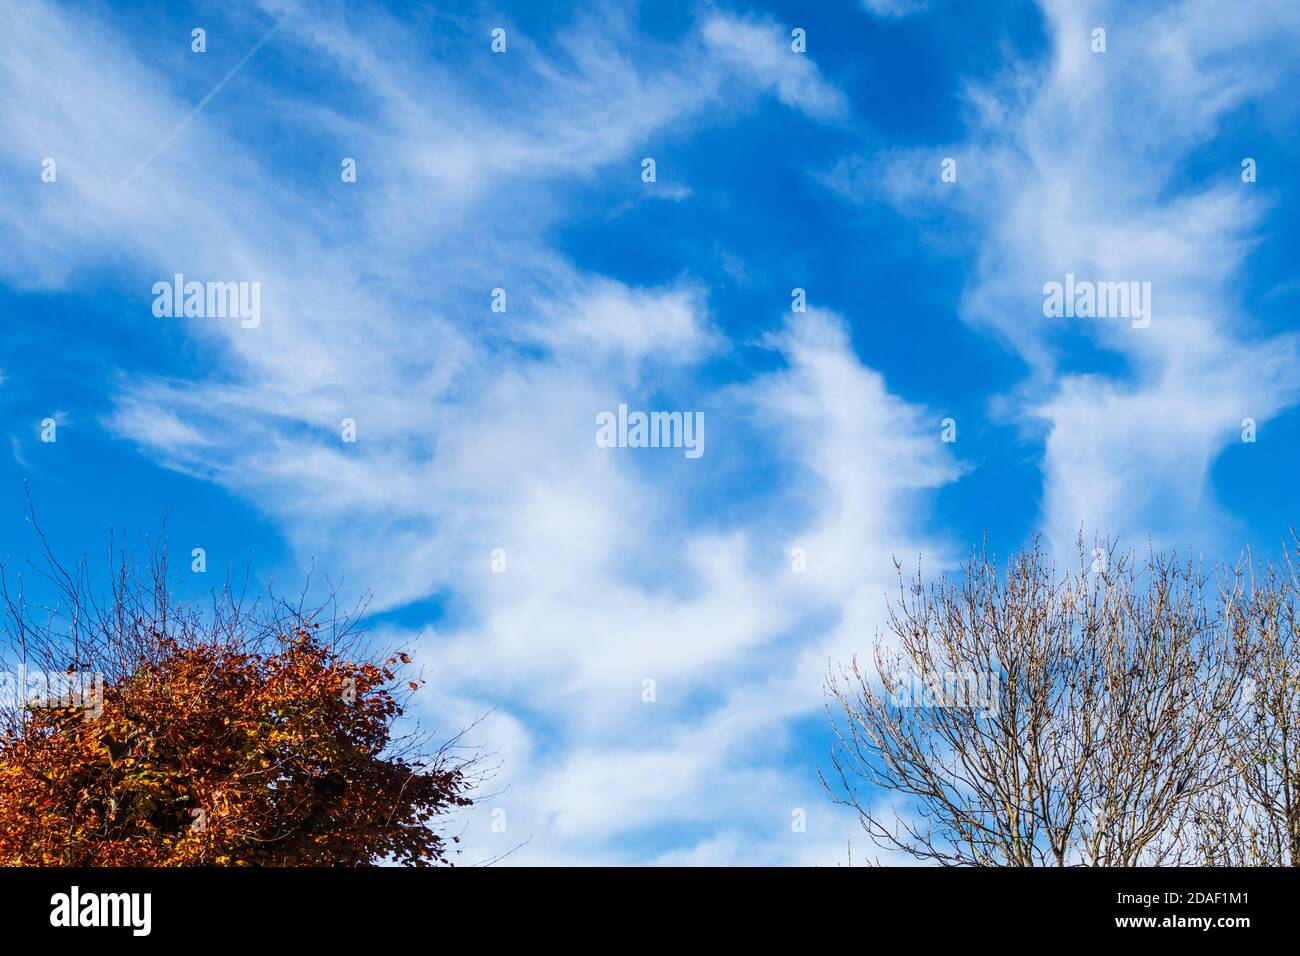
(1029, 719)
(1254, 819)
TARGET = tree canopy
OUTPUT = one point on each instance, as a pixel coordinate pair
(222, 738)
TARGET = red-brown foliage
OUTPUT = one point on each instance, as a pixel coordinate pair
(220, 740)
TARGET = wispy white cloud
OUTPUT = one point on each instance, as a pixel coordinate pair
(760, 51)
(1080, 165)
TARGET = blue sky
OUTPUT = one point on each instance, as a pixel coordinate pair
(521, 170)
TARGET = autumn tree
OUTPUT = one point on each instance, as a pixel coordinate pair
(146, 731)
(1030, 717)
